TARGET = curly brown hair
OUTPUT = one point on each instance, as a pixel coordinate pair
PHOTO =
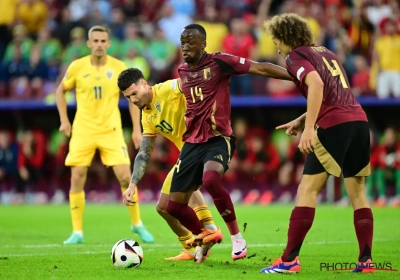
(293, 30)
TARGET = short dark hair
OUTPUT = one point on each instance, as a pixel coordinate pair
(293, 30)
(198, 27)
(128, 77)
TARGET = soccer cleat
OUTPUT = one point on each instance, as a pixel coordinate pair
(239, 250)
(282, 267)
(364, 267)
(183, 256)
(203, 252)
(206, 236)
(74, 239)
(143, 234)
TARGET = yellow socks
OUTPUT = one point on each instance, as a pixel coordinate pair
(77, 206)
(183, 240)
(204, 215)
(134, 210)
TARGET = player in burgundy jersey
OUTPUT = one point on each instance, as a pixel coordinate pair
(209, 143)
(335, 137)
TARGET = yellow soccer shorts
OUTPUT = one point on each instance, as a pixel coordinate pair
(112, 147)
(167, 182)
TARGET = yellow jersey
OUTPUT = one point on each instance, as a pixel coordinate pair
(388, 49)
(97, 94)
(166, 113)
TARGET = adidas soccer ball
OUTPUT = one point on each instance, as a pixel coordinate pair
(127, 253)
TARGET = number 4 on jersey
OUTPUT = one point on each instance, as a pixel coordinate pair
(336, 71)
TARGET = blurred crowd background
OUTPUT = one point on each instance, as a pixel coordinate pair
(40, 38)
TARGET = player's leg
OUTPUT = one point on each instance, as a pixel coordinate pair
(326, 159)
(356, 167)
(123, 174)
(114, 152)
(383, 85)
(203, 213)
(183, 233)
(187, 176)
(81, 152)
(217, 160)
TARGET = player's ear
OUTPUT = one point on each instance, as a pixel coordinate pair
(204, 44)
(89, 44)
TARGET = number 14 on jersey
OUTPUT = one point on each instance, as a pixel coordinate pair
(196, 92)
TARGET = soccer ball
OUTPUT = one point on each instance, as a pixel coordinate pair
(127, 253)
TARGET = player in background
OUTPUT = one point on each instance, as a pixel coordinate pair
(97, 125)
(335, 137)
(209, 142)
(163, 107)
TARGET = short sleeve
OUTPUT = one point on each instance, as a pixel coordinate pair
(231, 64)
(299, 67)
(176, 86)
(68, 82)
(148, 130)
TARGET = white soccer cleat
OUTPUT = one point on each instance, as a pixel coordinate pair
(239, 250)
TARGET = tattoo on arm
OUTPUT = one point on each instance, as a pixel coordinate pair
(142, 159)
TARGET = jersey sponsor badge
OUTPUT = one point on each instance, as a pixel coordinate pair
(207, 73)
(109, 74)
(242, 60)
(158, 106)
(173, 84)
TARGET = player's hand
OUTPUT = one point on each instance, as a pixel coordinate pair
(128, 194)
(293, 127)
(306, 144)
(137, 138)
(65, 128)
(23, 172)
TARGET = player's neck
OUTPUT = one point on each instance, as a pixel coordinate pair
(98, 61)
(196, 64)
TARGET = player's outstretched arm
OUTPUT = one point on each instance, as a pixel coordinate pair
(137, 131)
(314, 102)
(142, 159)
(61, 101)
(269, 70)
(139, 168)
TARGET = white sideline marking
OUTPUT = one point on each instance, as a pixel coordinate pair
(152, 247)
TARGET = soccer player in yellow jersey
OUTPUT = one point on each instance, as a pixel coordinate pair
(97, 125)
(163, 107)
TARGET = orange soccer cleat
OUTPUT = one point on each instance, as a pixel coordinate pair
(205, 237)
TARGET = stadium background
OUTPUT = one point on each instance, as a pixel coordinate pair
(40, 38)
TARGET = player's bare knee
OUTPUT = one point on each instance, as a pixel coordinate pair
(355, 186)
(161, 209)
(307, 189)
(124, 180)
(78, 178)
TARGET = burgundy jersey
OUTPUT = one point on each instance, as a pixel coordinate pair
(206, 89)
(338, 104)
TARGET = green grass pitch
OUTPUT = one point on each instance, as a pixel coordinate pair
(31, 244)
